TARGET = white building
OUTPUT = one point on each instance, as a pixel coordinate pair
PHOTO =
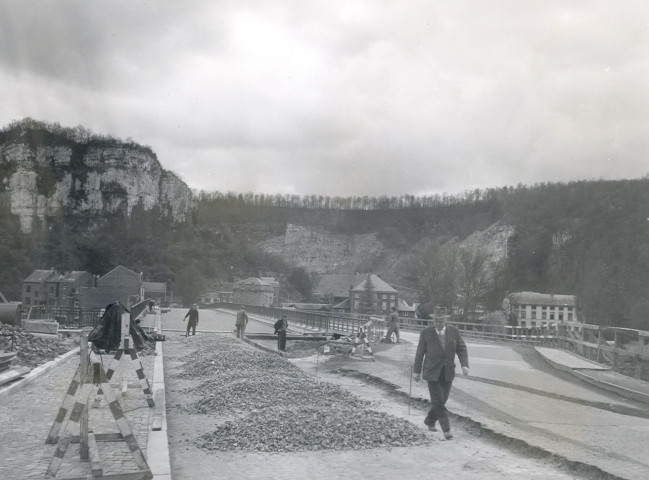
(539, 309)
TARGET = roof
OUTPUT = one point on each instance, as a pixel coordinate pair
(378, 284)
(253, 281)
(119, 267)
(43, 276)
(269, 280)
(74, 275)
(550, 299)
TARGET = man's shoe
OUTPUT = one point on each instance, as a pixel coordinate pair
(432, 428)
(448, 435)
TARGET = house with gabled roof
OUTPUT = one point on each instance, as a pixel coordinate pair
(54, 288)
(383, 295)
(41, 287)
(334, 288)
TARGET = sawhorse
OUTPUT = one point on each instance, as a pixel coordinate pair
(87, 374)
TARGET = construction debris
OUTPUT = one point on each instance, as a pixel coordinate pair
(272, 406)
(33, 350)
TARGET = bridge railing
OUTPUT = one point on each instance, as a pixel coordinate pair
(625, 350)
(326, 322)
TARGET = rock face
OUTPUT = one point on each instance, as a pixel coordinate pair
(321, 252)
(45, 180)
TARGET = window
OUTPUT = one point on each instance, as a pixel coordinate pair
(393, 297)
(51, 289)
(533, 313)
(36, 293)
(552, 314)
(29, 288)
(357, 295)
(357, 304)
(570, 316)
(384, 296)
(561, 315)
(544, 313)
(28, 301)
(383, 306)
(521, 312)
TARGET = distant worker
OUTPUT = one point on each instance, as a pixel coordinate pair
(281, 326)
(438, 345)
(393, 326)
(242, 322)
(361, 338)
(193, 319)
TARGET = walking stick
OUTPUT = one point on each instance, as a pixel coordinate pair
(410, 392)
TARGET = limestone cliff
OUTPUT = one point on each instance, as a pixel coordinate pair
(40, 178)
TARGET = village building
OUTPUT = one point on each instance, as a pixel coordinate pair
(53, 288)
(262, 292)
(382, 296)
(80, 289)
(531, 309)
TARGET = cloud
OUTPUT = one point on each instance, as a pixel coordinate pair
(343, 97)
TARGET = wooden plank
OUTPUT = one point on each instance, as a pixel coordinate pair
(139, 475)
(64, 440)
(13, 374)
(68, 401)
(96, 466)
(7, 356)
(100, 437)
(158, 412)
(83, 375)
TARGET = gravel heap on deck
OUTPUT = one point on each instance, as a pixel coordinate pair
(279, 408)
(32, 350)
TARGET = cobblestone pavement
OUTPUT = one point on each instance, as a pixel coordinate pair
(27, 415)
(468, 456)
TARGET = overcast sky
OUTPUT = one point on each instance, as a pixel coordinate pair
(343, 97)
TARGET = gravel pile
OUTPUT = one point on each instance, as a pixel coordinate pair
(307, 428)
(32, 350)
(267, 391)
(278, 408)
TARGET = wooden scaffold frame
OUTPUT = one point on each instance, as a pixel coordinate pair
(90, 373)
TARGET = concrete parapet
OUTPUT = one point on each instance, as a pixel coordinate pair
(42, 326)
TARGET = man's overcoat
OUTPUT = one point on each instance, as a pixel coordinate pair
(434, 356)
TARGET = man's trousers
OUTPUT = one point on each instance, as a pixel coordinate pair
(439, 391)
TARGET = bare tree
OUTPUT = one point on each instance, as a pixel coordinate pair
(473, 278)
(437, 277)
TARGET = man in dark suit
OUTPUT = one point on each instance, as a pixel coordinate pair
(438, 345)
(193, 319)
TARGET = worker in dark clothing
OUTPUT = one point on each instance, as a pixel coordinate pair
(281, 326)
(241, 322)
(193, 320)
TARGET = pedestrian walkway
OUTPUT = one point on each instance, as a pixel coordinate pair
(596, 374)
